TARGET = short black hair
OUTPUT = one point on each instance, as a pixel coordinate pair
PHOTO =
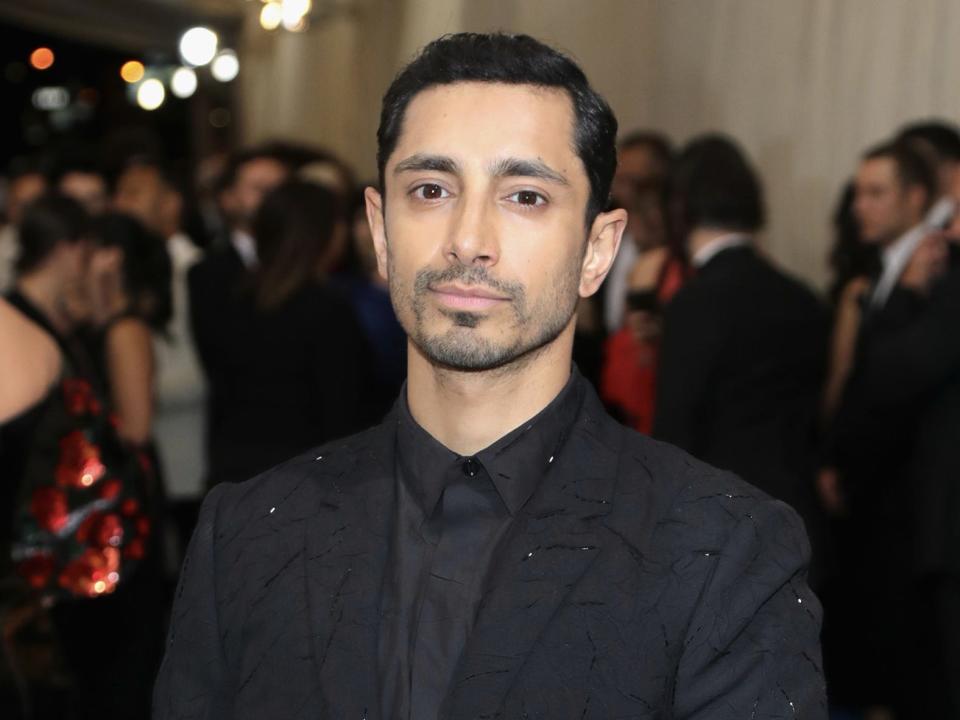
(49, 220)
(715, 186)
(514, 60)
(941, 137)
(77, 160)
(286, 154)
(912, 165)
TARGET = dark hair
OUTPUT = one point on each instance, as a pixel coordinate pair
(715, 186)
(657, 143)
(166, 173)
(515, 60)
(912, 166)
(941, 137)
(77, 160)
(147, 269)
(293, 230)
(850, 257)
(49, 220)
(289, 156)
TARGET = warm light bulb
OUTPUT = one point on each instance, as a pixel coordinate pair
(151, 94)
(42, 58)
(225, 66)
(271, 15)
(132, 71)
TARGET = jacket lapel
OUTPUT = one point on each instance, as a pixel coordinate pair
(346, 551)
(553, 542)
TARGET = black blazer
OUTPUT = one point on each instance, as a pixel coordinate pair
(741, 367)
(901, 410)
(280, 381)
(648, 585)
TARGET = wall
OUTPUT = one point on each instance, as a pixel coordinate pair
(805, 86)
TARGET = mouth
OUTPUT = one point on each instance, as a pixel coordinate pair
(472, 297)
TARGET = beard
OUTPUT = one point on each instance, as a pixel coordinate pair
(529, 325)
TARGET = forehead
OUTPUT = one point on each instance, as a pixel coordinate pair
(477, 120)
(877, 170)
(260, 167)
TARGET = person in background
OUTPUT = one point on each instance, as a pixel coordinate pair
(870, 441)
(743, 348)
(940, 140)
(80, 178)
(216, 283)
(287, 363)
(370, 299)
(24, 184)
(147, 190)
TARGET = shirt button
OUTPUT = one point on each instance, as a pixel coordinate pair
(470, 467)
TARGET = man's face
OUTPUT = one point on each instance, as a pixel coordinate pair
(636, 165)
(884, 208)
(88, 189)
(141, 193)
(23, 191)
(254, 180)
(481, 234)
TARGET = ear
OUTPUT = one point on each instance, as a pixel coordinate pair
(603, 242)
(374, 205)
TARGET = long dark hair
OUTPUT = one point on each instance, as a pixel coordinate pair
(147, 270)
(293, 230)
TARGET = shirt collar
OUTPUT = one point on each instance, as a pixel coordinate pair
(717, 246)
(516, 463)
(246, 248)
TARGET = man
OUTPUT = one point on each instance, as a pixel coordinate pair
(498, 547)
(743, 348)
(149, 191)
(215, 280)
(880, 447)
(84, 182)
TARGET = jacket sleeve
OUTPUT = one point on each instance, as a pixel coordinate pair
(752, 648)
(192, 682)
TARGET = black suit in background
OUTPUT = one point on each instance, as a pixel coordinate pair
(742, 363)
(280, 380)
(897, 444)
(634, 582)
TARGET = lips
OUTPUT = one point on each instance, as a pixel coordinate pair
(471, 297)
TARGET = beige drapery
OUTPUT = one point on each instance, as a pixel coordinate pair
(805, 85)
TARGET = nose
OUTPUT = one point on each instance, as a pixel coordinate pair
(473, 234)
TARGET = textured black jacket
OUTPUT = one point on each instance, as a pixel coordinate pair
(636, 582)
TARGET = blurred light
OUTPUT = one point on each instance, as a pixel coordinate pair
(220, 117)
(301, 25)
(150, 94)
(225, 66)
(41, 58)
(132, 71)
(271, 15)
(183, 83)
(50, 98)
(294, 13)
(99, 586)
(198, 45)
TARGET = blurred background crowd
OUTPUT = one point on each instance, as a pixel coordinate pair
(191, 297)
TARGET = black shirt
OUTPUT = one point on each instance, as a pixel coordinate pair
(451, 514)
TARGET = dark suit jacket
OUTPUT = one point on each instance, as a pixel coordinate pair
(902, 405)
(741, 367)
(648, 585)
(279, 380)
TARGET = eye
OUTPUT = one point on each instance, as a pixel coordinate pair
(527, 197)
(430, 191)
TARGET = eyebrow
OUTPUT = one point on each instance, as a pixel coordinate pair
(522, 167)
(506, 167)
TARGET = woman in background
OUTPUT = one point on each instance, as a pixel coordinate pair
(287, 365)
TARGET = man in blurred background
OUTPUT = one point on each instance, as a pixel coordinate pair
(25, 183)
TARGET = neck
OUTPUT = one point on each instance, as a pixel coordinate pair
(43, 291)
(701, 237)
(470, 410)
